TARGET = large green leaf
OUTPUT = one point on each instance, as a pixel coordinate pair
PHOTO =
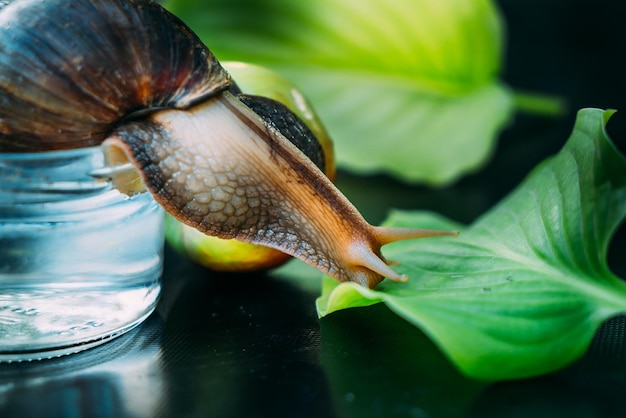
(408, 87)
(523, 289)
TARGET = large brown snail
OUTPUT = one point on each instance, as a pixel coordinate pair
(129, 75)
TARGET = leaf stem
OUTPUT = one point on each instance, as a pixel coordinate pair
(541, 104)
(614, 294)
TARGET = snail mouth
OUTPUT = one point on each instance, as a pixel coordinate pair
(120, 171)
(220, 168)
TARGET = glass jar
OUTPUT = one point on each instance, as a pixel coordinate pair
(80, 262)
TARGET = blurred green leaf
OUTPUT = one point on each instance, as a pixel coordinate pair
(407, 87)
(522, 291)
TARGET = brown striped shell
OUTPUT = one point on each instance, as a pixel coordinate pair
(70, 70)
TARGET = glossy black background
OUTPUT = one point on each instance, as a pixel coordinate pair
(252, 346)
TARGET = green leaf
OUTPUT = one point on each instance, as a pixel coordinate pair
(406, 87)
(523, 289)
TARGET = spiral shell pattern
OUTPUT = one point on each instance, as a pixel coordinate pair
(71, 70)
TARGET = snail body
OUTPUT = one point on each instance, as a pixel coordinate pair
(129, 75)
(231, 254)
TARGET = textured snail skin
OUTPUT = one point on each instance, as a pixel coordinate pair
(131, 76)
(285, 108)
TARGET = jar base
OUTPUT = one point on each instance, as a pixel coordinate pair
(47, 323)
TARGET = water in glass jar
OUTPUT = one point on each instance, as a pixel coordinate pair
(80, 262)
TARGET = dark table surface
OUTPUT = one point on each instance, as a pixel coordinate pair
(223, 345)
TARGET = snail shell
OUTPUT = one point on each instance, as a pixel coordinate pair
(70, 70)
(129, 75)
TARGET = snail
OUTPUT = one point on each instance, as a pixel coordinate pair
(131, 77)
